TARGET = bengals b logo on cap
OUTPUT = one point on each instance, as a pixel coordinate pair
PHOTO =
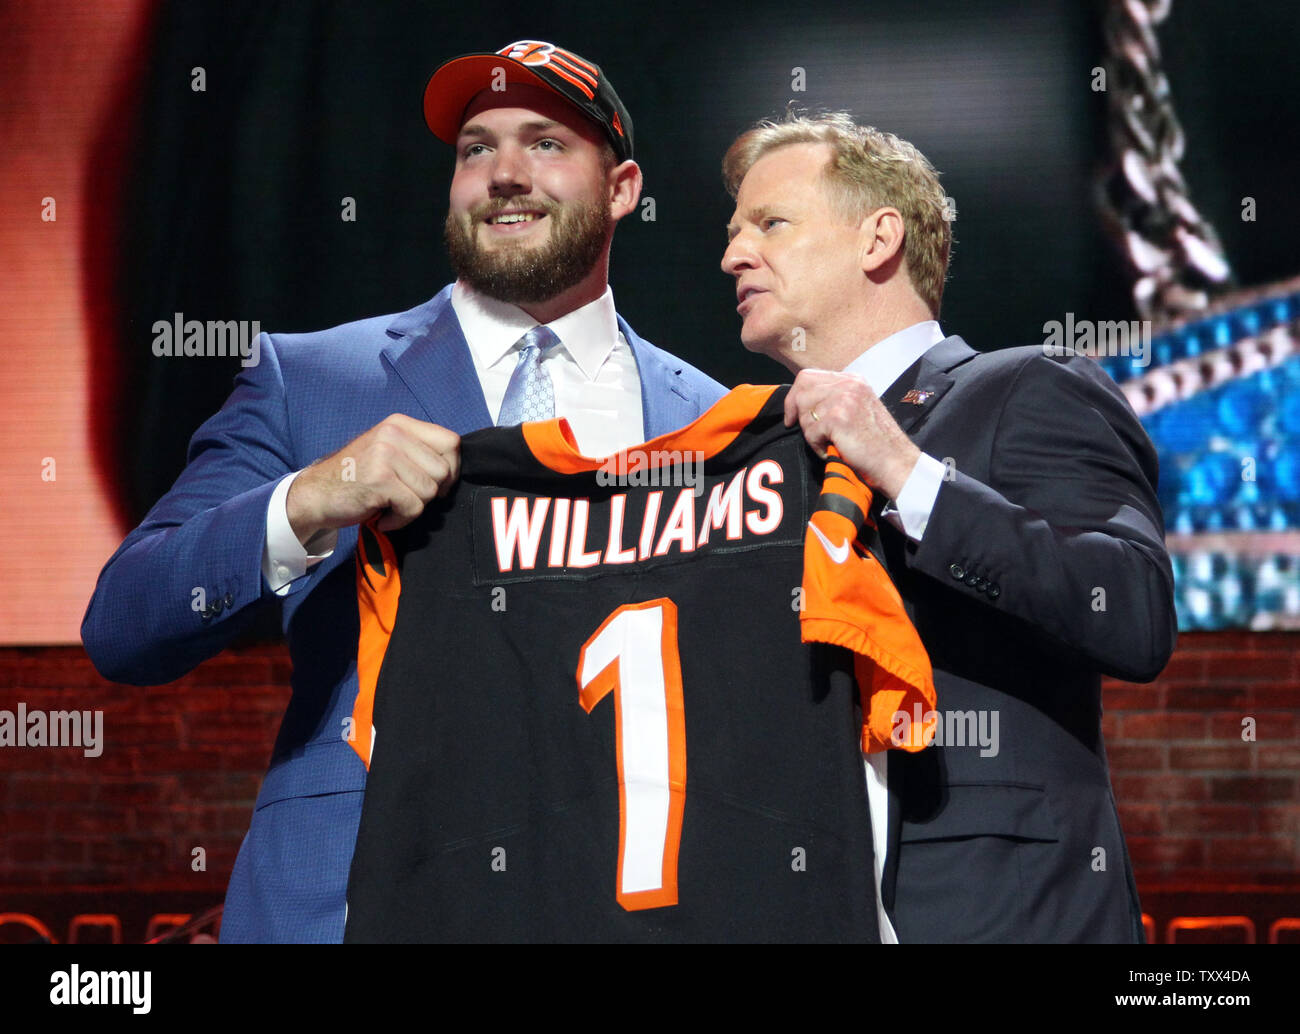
(574, 78)
(529, 51)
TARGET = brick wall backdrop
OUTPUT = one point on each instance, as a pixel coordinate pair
(180, 768)
(1203, 808)
(1200, 801)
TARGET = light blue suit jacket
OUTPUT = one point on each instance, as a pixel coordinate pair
(309, 395)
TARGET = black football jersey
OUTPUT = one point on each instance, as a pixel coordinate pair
(585, 703)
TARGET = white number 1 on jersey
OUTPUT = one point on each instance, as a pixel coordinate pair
(634, 655)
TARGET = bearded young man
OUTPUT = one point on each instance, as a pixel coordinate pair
(543, 173)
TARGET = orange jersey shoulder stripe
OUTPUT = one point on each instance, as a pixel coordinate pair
(379, 586)
(849, 600)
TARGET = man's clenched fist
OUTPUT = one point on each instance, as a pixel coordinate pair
(395, 468)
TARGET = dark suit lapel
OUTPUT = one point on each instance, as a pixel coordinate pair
(921, 387)
(916, 394)
(918, 391)
(431, 357)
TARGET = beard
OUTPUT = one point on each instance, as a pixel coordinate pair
(517, 273)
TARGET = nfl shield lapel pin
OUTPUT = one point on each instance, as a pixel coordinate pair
(917, 398)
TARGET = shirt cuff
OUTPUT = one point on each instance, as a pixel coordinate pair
(284, 560)
(910, 512)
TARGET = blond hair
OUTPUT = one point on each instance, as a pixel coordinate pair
(867, 170)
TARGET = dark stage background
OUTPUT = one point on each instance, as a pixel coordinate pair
(234, 199)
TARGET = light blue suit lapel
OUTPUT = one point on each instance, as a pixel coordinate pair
(431, 357)
(666, 402)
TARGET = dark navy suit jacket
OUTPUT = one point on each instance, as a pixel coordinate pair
(1042, 568)
(309, 395)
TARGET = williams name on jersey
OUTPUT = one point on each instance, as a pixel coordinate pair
(641, 526)
(587, 706)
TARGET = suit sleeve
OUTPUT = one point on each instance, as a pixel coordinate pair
(1068, 537)
(183, 583)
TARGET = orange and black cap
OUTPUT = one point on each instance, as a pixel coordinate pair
(577, 80)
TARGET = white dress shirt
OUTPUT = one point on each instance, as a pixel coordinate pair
(597, 389)
(881, 365)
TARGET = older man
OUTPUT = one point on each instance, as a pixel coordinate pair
(1019, 523)
(543, 173)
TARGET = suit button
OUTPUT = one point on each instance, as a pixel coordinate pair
(972, 579)
(982, 584)
(218, 605)
(994, 590)
(957, 571)
(230, 601)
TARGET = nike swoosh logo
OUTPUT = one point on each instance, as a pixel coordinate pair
(839, 553)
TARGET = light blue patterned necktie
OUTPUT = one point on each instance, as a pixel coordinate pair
(530, 394)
